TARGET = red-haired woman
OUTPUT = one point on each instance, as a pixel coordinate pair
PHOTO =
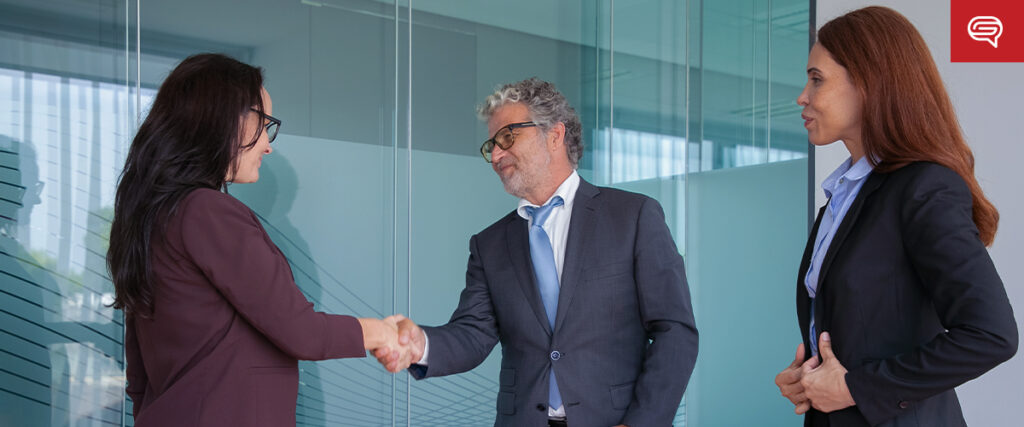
(897, 298)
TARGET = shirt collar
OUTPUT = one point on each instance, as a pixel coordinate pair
(847, 173)
(567, 191)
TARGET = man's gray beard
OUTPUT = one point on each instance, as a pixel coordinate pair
(523, 181)
(515, 185)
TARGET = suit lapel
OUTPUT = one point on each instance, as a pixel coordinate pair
(874, 181)
(518, 238)
(581, 225)
(803, 299)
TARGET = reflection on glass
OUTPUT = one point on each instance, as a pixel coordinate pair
(690, 102)
(61, 342)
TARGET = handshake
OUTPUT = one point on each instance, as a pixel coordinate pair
(395, 341)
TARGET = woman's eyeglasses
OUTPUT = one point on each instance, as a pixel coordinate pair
(272, 125)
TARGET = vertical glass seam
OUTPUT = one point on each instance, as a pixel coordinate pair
(611, 85)
(700, 55)
(686, 151)
(812, 12)
(394, 215)
(597, 90)
(138, 118)
(138, 63)
(124, 325)
(408, 301)
(768, 81)
(753, 81)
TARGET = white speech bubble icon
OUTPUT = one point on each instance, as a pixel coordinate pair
(985, 29)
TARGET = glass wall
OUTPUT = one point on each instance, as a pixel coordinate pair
(746, 208)
(376, 184)
(68, 105)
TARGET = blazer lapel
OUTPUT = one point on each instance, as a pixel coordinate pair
(518, 239)
(874, 181)
(581, 225)
(803, 299)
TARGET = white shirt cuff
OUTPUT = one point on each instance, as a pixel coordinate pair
(426, 350)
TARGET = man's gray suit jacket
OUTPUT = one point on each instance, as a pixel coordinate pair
(624, 342)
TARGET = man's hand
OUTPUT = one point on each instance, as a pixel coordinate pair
(825, 385)
(789, 381)
(411, 341)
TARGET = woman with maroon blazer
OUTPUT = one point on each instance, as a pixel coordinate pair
(214, 323)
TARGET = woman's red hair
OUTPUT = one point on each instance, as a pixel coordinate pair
(907, 115)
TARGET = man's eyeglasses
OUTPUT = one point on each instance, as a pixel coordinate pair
(503, 138)
(271, 126)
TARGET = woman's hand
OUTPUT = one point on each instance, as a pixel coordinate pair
(825, 385)
(411, 337)
(379, 333)
(385, 339)
(789, 381)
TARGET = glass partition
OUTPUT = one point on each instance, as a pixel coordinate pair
(745, 213)
(68, 97)
(376, 185)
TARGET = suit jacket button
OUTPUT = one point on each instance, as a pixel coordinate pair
(541, 407)
(555, 355)
(904, 404)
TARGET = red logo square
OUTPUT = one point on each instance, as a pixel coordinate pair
(986, 30)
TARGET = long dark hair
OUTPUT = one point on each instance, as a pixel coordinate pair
(189, 140)
(907, 115)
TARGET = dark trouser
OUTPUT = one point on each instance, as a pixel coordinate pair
(557, 423)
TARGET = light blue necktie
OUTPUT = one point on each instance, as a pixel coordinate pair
(547, 277)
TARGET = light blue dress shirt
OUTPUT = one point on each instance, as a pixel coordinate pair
(841, 188)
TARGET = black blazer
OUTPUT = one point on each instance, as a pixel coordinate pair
(623, 286)
(911, 299)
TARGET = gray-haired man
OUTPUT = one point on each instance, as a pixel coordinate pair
(583, 286)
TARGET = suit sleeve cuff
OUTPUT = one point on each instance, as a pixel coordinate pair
(872, 400)
(426, 349)
(418, 370)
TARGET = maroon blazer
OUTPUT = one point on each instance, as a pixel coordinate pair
(229, 325)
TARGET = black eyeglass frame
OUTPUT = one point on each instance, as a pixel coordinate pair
(271, 128)
(488, 146)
